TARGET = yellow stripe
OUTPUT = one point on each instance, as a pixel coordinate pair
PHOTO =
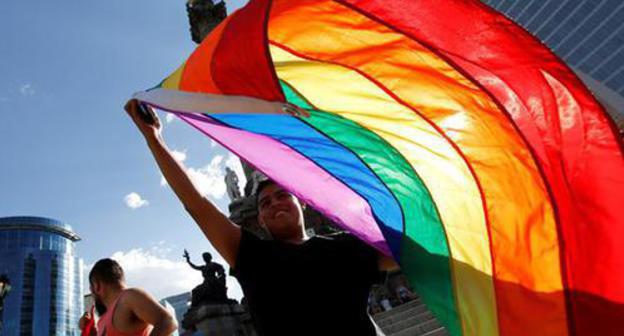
(344, 92)
(173, 81)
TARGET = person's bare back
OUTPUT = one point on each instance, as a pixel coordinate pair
(121, 318)
(129, 311)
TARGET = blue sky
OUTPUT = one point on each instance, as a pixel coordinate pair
(69, 151)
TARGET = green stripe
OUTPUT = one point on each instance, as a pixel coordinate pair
(425, 251)
(157, 86)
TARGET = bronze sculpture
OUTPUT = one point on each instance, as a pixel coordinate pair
(213, 289)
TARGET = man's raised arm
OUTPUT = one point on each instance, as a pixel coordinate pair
(222, 233)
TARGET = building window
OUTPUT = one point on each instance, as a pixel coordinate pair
(54, 273)
(28, 296)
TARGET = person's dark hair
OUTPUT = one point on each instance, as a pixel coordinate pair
(261, 185)
(107, 271)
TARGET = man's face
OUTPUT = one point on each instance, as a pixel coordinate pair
(280, 212)
(96, 289)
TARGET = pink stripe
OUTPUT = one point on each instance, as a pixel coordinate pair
(299, 175)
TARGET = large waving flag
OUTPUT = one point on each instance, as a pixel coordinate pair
(439, 132)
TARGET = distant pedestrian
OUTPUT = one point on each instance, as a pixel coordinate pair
(129, 311)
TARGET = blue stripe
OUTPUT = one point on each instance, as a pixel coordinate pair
(331, 156)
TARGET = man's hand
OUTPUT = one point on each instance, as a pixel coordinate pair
(148, 129)
(186, 255)
(84, 320)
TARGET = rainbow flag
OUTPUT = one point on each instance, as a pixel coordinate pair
(439, 132)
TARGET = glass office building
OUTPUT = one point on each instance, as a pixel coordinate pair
(38, 255)
(181, 304)
(587, 34)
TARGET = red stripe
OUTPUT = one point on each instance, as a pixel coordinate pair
(196, 76)
(582, 161)
(241, 64)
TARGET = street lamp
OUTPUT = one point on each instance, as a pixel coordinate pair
(5, 288)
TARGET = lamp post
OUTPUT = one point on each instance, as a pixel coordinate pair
(5, 288)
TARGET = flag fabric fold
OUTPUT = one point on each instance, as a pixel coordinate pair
(442, 134)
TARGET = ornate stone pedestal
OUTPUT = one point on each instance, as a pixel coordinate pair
(219, 319)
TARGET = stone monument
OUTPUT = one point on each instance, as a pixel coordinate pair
(231, 183)
(213, 289)
(204, 16)
(212, 312)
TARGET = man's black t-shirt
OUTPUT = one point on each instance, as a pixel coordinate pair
(319, 287)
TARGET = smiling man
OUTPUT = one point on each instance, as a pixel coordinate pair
(295, 285)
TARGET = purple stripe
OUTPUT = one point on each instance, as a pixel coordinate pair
(299, 175)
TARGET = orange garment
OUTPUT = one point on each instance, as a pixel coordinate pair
(105, 325)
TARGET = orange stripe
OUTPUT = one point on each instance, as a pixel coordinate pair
(522, 222)
(197, 76)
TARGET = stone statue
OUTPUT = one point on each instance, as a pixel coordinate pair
(213, 290)
(256, 178)
(231, 183)
(204, 16)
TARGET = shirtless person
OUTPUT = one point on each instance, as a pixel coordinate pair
(294, 285)
(129, 311)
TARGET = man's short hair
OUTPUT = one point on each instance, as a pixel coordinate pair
(261, 185)
(107, 271)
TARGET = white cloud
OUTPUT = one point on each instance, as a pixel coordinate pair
(26, 90)
(213, 143)
(159, 276)
(155, 271)
(169, 117)
(179, 155)
(135, 201)
(210, 179)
